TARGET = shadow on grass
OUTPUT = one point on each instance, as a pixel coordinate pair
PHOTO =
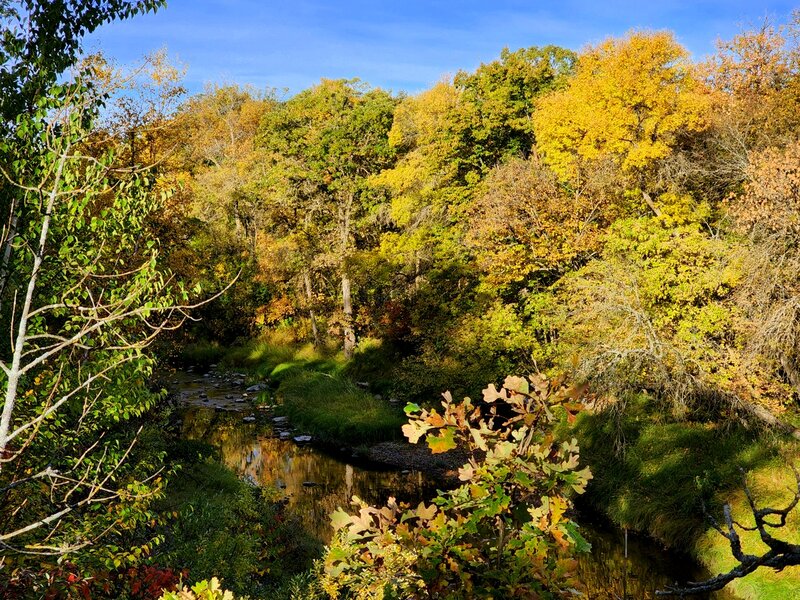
(659, 482)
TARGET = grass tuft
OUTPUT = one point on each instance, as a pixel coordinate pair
(334, 409)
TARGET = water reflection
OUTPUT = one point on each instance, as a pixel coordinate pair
(609, 575)
(314, 483)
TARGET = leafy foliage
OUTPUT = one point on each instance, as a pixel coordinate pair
(504, 530)
(630, 99)
(202, 590)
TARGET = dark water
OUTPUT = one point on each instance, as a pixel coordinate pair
(315, 483)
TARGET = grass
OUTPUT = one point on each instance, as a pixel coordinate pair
(668, 470)
(201, 353)
(333, 408)
(266, 358)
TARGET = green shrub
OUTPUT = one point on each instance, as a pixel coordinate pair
(232, 530)
(504, 532)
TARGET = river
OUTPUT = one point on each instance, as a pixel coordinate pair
(315, 482)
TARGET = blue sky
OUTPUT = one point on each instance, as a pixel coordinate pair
(406, 45)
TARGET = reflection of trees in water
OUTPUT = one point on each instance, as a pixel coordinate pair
(250, 451)
(608, 575)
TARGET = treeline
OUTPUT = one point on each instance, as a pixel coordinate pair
(623, 213)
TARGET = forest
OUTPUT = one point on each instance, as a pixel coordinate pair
(572, 275)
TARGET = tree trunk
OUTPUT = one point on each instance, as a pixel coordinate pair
(311, 314)
(791, 372)
(15, 370)
(649, 201)
(345, 213)
(347, 307)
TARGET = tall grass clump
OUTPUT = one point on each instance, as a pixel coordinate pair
(335, 409)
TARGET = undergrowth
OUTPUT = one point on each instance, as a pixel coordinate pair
(335, 409)
(225, 527)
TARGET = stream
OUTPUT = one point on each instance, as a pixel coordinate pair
(261, 448)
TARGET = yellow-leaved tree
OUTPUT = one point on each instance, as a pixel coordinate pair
(630, 100)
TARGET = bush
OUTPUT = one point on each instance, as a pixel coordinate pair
(503, 533)
(227, 528)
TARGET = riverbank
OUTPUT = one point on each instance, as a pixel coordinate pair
(668, 474)
(312, 482)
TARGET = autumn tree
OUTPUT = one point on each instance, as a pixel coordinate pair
(769, 211)
(87, 295)
(451, 136)
(527, 228)
(328, 141)
(755, 89)
(493, 118)
(631, 100)
(210, 227)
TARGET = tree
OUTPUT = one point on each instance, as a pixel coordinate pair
(328, 141)
(755, 86)
(493, 118)
(631, 100)
(769, 211)
(40, 40)
(527, 229)
(219, 213)
(88, 296)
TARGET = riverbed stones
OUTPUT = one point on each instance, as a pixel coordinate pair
(203, 395)
(280, 419)
(285, 435)
(258, 387)
(249, 419)
(302, 439)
